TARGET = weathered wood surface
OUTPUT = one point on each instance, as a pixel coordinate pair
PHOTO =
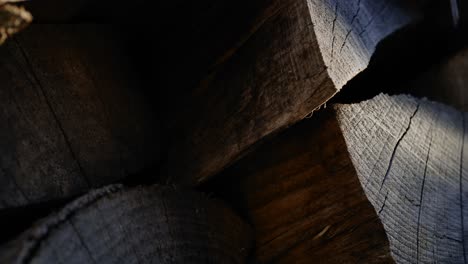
(296, 56)
(446, 82)
(152, 224)
(410, 156)
(304, 200)
(72, 117)
(308, 192)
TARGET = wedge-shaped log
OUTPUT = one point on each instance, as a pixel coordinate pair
(297, 55)
(410, 156)
(152, 224)
(72, 116)
(309, 192)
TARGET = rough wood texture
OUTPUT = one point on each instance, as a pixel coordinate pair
(301, 194)
(446, 82)
(297, 55)
(303, 190)
(141, 225)
(71, 113)
(410, 157)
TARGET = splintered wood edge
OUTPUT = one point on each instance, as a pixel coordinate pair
(410, 158)
(27, 246)
(12, 19)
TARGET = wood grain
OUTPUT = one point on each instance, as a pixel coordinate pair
(309, 191)
(153, 224)
(298, 54)
(72, 115)
(304, 200)
(409, 155)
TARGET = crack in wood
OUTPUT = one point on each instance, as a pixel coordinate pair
(383, 204)
(66, 213)
(384, 7)
(51, 109)
(333, 31)
(421, 195)
(351, 25)
(82, 241)
(397, 145)
(412, 201)
(461, 187)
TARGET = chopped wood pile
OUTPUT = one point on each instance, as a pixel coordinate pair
(266, 131)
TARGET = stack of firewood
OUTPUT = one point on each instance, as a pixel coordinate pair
(266, 131)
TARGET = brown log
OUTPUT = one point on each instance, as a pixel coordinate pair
(301, 193)
(153, 224)
(358, 184)
(297, 55)
(72, 116)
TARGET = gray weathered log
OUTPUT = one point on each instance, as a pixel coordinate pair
(303, 191)
(297, 55)
(153, 224)
(410, 156)
(72, 116)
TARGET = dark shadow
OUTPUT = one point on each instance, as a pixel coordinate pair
(405, 55)
(13, 221)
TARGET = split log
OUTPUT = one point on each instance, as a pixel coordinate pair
(446, 82)
(153, 224)
(296, 56)
(304, 191)
(72, 114)
(409, 155)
